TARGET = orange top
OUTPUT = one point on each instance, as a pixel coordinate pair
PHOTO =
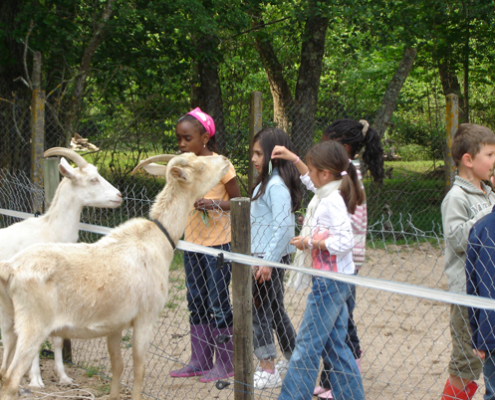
(213, 230)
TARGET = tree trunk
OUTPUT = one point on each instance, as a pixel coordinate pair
(391, 95)
(210, 94)
(282, 97)
(308, 81)
(450, 82)
(83, 73)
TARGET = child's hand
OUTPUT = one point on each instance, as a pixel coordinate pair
(263, 274)
(300, 242)
(283, 153)
(479, 353)
(205, 204)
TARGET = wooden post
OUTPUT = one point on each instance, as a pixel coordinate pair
(37, 130)
(51, 179)
(255, 125)
(242, 300)
(452, 116)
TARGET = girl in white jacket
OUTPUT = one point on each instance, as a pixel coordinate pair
(326, 243)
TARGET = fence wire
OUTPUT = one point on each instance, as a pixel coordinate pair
(405, 340)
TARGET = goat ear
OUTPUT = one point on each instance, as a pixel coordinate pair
(65, 169)
(179, 173)
(156, 169)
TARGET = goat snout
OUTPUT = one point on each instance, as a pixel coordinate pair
(118, 198)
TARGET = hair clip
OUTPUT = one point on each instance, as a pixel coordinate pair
(270, 167)
(343, 173)
(366, 125)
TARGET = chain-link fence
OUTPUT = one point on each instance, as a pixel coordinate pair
(405, 340)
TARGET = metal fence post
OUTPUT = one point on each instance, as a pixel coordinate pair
(242, 300)
(452, 115)
(255, 125)
(37, 129)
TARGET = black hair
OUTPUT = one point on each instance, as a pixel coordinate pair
(350, 132)
(331, 156)
(268, 138)
(212, 142)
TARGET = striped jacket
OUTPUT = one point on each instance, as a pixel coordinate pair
(359, 222)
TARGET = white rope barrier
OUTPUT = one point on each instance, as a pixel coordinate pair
(371, 283)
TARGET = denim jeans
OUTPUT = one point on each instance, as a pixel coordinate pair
(208, 298)
(271, 315)
(322, 333)
(489, 375)
(352, 340)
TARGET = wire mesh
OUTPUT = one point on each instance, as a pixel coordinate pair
(405, 341)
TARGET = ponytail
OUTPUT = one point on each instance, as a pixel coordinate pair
(358, 135)
(351, 190)
(373, 154)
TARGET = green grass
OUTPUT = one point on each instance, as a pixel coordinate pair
(414, 195)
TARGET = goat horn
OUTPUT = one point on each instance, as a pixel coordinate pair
(159, 158)
(70, 154)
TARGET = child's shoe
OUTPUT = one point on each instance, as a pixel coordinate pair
(319, 390)
(326, 395)
(452, 393)
(265, 380)
(282, 366)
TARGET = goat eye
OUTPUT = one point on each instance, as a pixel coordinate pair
(94, 180)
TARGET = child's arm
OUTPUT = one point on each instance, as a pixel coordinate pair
(232, 188)
(285, 154)
(282, 225)
(341, 239)
(457, 224)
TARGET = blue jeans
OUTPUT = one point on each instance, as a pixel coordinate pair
(352, 339)
(322, 333)
(489, 375)
(208, 298)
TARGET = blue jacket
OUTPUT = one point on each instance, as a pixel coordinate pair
(272, 221)
(480, 276)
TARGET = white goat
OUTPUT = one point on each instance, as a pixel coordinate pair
(82, 186)
(121, 281)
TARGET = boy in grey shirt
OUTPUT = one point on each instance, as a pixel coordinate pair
(469, 199)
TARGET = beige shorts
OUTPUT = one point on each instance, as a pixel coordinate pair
(463, 363)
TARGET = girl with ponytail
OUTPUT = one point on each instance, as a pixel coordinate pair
(325, 243)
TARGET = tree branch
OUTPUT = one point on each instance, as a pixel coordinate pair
(26, 41)
(254, 28)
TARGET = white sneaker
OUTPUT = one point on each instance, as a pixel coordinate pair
(282, 366)
(265, 380)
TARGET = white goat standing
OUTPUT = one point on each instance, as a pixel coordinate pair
(82, 186)
(121, 281)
